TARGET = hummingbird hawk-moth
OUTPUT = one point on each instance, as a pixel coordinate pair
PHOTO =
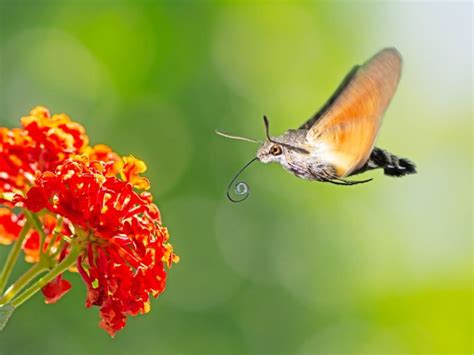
(338, 140)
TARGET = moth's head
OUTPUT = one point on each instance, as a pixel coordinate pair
(272, 149)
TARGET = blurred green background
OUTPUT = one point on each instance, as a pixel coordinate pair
(300, 267)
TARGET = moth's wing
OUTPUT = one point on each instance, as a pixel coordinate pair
(344, 135)
(309, 123)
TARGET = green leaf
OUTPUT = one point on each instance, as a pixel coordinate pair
(5, 313)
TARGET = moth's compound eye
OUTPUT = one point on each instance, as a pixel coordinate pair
(275, 150)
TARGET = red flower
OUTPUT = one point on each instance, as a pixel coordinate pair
(36, 199)
(10, 226)
(56, 137)
(127, 245)
(44, 142)
(104, 153)
(54, 290)
(15, 171)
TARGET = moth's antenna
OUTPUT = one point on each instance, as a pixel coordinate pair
(240, 187)
(231, 136)
(267, 132)
(267, 128)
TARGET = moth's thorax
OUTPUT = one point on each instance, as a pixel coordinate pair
(294, 137)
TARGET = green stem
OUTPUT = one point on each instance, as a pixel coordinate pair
(13, 257)
(22, 282)
(68, 261)
(34, 220)
(59, 248)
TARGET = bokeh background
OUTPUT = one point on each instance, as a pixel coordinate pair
(300, 267)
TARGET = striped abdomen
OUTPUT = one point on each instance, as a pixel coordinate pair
(390, 163)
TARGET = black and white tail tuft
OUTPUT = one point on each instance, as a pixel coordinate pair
(390, 163)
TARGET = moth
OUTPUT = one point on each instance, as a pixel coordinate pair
(338, 141)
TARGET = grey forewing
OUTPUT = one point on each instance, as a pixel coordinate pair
(347, 79)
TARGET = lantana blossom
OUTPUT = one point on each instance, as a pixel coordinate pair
(43, 143)
(126, 243)
(87, 201)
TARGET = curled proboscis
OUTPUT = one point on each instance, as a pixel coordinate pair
(239, 188)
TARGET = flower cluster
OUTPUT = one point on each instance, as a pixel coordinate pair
(126, 244)
(88, 203)
(44, 142)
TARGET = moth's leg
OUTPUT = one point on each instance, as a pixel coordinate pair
(339, 181)
(334, 182)
(327, 173)
(323, 173)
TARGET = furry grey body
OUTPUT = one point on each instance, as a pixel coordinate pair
(308, 165)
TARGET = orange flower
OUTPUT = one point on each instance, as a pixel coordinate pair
(131, 170)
